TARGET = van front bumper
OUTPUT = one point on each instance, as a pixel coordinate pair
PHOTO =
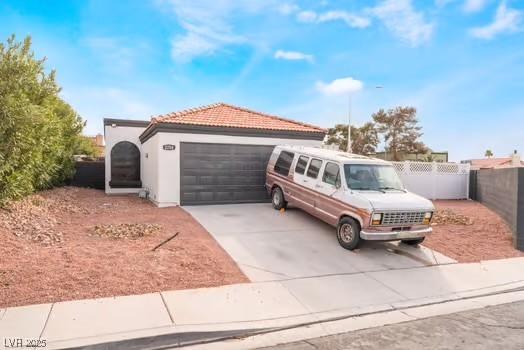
(395, 235)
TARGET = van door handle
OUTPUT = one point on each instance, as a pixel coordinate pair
(318, 186)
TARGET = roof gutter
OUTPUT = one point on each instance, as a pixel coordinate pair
(126, 122)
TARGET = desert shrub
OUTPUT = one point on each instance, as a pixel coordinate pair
(38, 130)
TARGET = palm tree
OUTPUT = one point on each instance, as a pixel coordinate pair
(488, 154)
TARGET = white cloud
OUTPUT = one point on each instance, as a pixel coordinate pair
(116, 54)
(287, 9)
(442, 3)
(404, 21)
(506, 20)
(307, 16)
(342, 86)
(293, 56)
(207, 25)
(471, 6)
(202, 41)
(350, 19)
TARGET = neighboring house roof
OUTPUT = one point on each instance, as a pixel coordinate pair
(489, 163)
(225, 115)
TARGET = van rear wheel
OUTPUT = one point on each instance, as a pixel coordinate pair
(348, 233)
(277, 199)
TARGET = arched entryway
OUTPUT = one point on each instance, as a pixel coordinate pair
(125, 166)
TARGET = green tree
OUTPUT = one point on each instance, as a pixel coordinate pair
(400, 129)
(429, 158)
(364, 139)
(85, 146)
(38, 130)
(488, 154)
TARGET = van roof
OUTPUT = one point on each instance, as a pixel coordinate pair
(337, 156)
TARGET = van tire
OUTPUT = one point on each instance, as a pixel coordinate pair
(277, 199)
(413, 242)
(348, 233)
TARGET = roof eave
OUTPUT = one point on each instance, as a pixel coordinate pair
(155, 128)
(126, 122)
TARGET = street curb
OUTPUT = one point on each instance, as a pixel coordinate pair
(259, 337)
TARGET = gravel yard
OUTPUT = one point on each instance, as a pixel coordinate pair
(72, 243)
(467, 231)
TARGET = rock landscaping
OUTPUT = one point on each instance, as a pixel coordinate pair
(72, 243)
(467, 231)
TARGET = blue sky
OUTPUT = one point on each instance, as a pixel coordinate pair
(459, 62)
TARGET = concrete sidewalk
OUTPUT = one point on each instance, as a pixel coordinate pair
(255, 305)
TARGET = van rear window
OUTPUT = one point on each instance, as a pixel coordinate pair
(284, 163)
(314, 168)
(301, 165)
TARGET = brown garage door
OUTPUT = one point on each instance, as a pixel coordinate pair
(213, 173)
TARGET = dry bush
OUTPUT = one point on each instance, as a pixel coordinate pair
(131, 231)
(449, 217)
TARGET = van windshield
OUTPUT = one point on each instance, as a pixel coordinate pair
(372, 177)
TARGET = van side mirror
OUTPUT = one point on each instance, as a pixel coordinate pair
(338, 184)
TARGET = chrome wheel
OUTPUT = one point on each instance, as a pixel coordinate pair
(346, 233)
(276, 198)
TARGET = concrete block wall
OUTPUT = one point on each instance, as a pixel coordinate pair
(502, 190)
(520, 212)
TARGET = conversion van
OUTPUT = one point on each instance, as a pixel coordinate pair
(362, 197)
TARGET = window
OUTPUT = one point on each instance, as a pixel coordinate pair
(284, 163)
(372, 177)
(314, 168)
(331, 174)
(125, 166)
(301, 165)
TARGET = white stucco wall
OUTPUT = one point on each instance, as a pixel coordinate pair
(160, 169)
(168, 186)
(113, 135)
(150, 153)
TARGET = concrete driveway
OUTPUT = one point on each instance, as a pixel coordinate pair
(269, 245)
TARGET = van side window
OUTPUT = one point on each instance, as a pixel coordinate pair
(314, 168)
(284, 163)
(301, 165)
(331, 174)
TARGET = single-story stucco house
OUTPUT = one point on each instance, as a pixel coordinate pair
(207, 155)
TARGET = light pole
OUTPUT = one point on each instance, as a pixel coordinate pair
(349, 124)
(349, 118)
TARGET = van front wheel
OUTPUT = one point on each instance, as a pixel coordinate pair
(348, 233)
(413, 242)
(277, 199)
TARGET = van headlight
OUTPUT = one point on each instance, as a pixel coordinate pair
(427, 218)
(376, 219)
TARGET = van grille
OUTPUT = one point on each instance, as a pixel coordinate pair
(403, 218)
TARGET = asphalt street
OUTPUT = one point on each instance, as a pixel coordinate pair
(495, 327)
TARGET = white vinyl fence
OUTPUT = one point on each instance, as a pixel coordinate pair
(435, 180)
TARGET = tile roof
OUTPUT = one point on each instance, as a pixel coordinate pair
(225, 115)
(489, 163)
